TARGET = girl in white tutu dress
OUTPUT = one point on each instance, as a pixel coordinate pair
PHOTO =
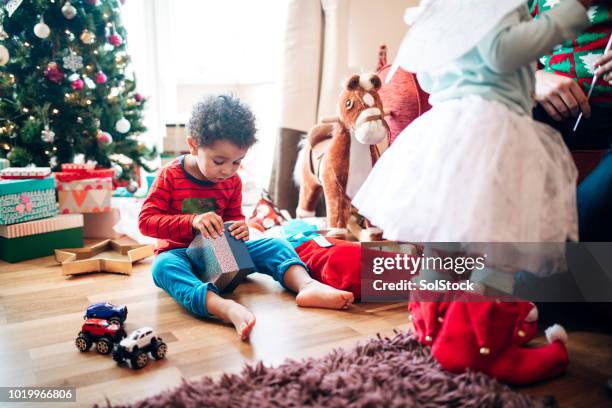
(476, 167)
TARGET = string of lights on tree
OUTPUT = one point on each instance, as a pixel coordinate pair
(66, 89)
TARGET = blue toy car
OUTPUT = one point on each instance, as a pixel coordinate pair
(108, 311)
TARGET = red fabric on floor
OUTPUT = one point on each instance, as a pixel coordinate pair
(338, 265)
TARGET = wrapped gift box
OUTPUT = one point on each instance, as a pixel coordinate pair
(224, 261)
(76, 173)
(35, 239)
(85, 196)
(78, 167)
(25, 172)
(100, 225)
(27, 200)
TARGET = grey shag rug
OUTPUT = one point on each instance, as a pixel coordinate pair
(383, 372)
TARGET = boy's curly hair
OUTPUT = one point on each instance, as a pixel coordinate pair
(220, 117)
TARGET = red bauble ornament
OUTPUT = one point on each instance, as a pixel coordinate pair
(78, 84)
(104, 138)
(101, 77)
(138, 97)
(115, 39)
(53, 73)
(93, 2)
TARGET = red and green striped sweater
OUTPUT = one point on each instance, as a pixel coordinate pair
(575, 58)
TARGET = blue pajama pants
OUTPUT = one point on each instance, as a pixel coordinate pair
(173, 272)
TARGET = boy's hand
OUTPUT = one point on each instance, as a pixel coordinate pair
(210, 224)
(239, 230)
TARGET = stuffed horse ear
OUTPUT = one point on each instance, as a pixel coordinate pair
(376, 82)
(352, 83)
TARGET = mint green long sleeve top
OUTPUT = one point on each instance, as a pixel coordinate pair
(501, 67)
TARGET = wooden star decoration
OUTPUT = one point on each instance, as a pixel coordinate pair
(106, 256)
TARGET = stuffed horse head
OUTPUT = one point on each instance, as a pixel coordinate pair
(360, 109)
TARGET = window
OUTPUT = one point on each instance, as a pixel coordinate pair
(183, 50)
(228, 42)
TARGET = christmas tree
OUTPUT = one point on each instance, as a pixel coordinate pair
(65, 86)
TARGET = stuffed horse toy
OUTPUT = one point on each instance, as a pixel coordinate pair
(340, 152)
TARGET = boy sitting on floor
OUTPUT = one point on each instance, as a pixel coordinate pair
(197, 193)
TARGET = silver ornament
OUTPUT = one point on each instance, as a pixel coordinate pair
(89, 83)
(69, 11)
(73, 62)
(118, 170)
(42, 30)
(132, 187)
(47, 134)
(123, 125)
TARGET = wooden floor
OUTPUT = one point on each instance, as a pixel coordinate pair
(41, 313)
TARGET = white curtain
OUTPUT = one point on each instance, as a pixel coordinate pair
(150, 29)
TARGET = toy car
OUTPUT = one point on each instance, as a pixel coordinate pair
(108, 311)
(104, 333)
(137, 346)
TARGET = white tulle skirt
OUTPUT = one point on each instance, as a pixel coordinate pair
(471, 170)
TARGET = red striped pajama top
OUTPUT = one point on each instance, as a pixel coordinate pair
(176, 197)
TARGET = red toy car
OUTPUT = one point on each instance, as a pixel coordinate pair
(100, 331)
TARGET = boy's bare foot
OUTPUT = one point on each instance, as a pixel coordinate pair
(231, 312)
(242, 319)
(317, 294)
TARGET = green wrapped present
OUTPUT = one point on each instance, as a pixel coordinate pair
(27, 199)
(35, 239)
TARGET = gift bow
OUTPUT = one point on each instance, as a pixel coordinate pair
(25, 206)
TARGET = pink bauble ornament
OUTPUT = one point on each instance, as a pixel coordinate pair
(115, 39)
(100, 77)
(138, 97)
(93, 2)
(104, 138)
(78, 84)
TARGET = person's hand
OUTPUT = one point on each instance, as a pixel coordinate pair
(210, 224)
(586, 3)
(560, 96)
(239, 230)
(604, 67)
